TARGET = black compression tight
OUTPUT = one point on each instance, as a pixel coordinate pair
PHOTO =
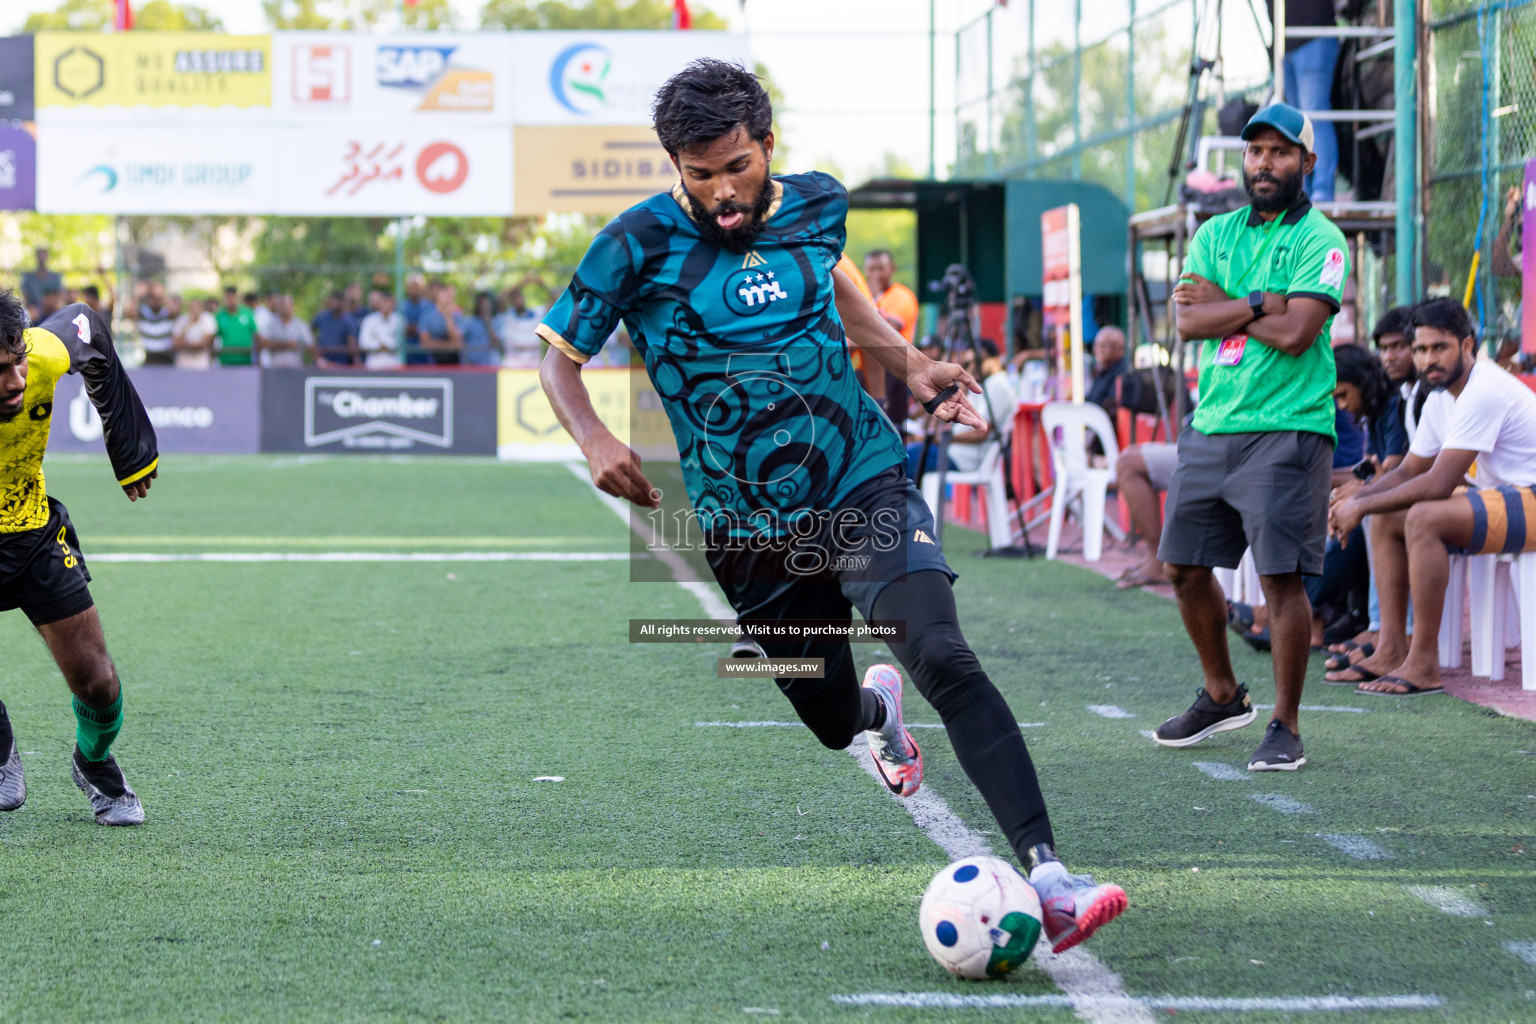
(982, 730)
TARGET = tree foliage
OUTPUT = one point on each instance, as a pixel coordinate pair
(588, 15)
(96, 16)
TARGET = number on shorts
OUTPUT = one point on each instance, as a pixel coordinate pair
(69, 556)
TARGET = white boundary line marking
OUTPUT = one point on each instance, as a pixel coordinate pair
(1110, 711)
(1318, 707)
(1223, 772)
(801, 725)
(1447, 900)
(1282, 1004)
(1354, 846)
(1524, 950)
(1092, 990)
(359, 556)
(1282, 803)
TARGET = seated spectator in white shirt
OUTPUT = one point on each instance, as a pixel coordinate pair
(521, 348)
(380, 333)
(192, 337)
(1481, 420)
(288, 337)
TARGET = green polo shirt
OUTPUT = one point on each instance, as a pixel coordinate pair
(1298, 254)
(237, 331)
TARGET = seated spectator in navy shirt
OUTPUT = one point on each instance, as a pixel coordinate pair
(481, 347)
(441, 327)
(1109, 365)
(416, 303)
(335, 333)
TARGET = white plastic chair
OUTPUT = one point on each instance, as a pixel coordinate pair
(1451, 635)
(1067, 425)
(989, 477)
(1503, 593)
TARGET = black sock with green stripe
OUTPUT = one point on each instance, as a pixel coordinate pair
(96, 728)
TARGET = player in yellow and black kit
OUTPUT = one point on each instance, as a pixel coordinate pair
(41, 569)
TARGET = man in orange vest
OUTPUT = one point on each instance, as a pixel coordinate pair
(899, 307)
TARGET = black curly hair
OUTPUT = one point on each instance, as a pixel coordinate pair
(1362, 368)
(13, 324)
(707, 100)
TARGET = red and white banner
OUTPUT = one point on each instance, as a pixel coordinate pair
(1062, 293)
(389, 169)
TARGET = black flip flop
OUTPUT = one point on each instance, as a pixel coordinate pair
(1366, 676)
(1334, 664)
(1239, 617)
(1258, 641)
(1414, 690)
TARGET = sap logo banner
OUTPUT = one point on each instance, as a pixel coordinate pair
(443, 86)
(390, 414)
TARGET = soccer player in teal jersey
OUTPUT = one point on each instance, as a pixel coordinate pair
(726, 284)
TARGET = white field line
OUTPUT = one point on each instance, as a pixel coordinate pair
(360, 556)
(1354, 846)
(1109, 711)
(1447, 900)
(1223, 772)
(1280, 1004)
(1318, 707)
(801, 725)
(1092, 990)
(1282, 803)
(1524, 950)
(1150, 734)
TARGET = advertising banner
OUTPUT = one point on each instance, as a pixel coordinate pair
(153, 168)
(447, 77)
(527, 430)
(586, 169)
(152, 70)
(605, 77)
(388, 168)
(420, 413)
(1062, 313)
(206, 411)
(16, 78)
(18, 168)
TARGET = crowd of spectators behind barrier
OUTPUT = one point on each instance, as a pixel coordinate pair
(355, 328)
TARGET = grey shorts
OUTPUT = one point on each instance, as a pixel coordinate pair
(1161, 459)
(1265, 491)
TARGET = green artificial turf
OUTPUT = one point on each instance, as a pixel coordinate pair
(338, 763)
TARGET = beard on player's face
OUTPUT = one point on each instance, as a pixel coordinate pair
(1285, 190)
(754, 217)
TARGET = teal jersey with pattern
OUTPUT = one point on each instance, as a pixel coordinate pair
(746, 351)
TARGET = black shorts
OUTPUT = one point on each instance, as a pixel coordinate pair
(42, 571)
(1266, 491)
(839, 560)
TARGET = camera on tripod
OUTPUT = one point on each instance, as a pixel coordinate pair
(960, 287)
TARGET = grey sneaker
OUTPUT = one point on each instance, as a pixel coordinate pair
(13, 782)
(103, 783)
(1280, 751)
(897, 758)
(1206, 718)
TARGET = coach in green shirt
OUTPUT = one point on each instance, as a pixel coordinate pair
(237, 330)
(1258, 293)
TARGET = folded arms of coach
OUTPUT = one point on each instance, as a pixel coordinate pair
(130, 437)
(1287, 323)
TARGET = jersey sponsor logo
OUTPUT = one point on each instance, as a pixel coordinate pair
(322, 74)
(749, 292)
(1332, 275)
(578, 78)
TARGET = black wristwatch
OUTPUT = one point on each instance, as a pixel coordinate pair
(1256, 304)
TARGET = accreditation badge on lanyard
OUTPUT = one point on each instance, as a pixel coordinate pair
(1231, 351)
(1234, 345)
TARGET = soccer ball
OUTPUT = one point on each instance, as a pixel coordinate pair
(980, 918)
